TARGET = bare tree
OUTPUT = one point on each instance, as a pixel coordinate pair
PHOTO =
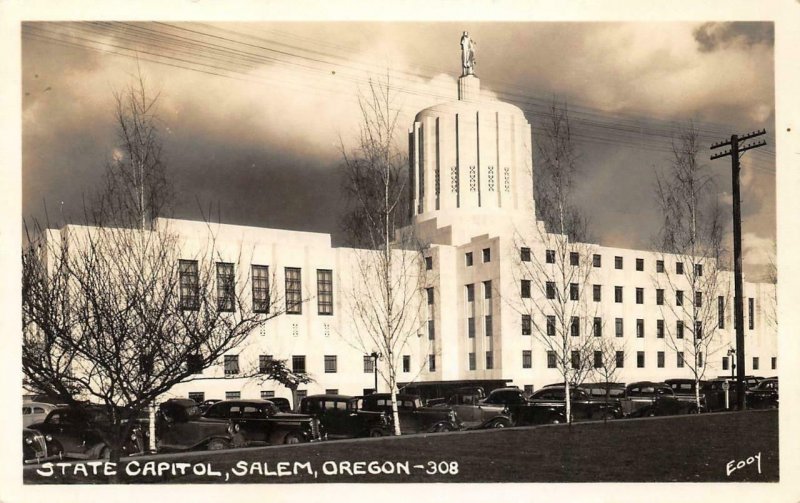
(605, 361)
(692, 287)
(386, 298)
(555, 269)
(280, 372)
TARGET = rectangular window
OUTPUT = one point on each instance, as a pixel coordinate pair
(575, 327)
(526, 324)
(550, 290)
(679, 297)
(639, 328)
(470, 293)
(468, 259)
(755, 363)
(299, 364)
(264, 363)
(190, 285)
(573, 291)
(325, 292)
(551, 359)
(640, 359)
(725, 363)
(525, 288)
(617, 262)
(526, 359)
(233, 395)
(525, 254)
(550, 256)
(659, 266)
(432, 363)
(472, 364)
(698, 269)
(698, 299)
(618, 294)
(428, 263)
(721, 311)
(488, 325)
(429, 294)
(598, 327)
(596, 260)
(680, 359)
(774, 363)
(678, 267)
(598, 359)
(620, 359)
(575, 359)
(331, 391)
(471, 327)
(330, 364)
(679, 329)
(487, 255)
(573, 258)
(551, 325)
(660, 359)
(640, 295)
(698, 329)
(699, 360)
(231, 364)
(640, 264)
(487, 289)
(660, 329)
(489, 360)
(406, 363)
(431, 330)
(751, 313)
(194, 363)
(618, 327)
(659, 296)
(260, 288)
(369, 364)
(596, 293)
(294, 293)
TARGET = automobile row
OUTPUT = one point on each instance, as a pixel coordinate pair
(183, 425)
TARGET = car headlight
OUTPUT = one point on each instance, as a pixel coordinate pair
(28, 440)
(49, 438)
(133, 436)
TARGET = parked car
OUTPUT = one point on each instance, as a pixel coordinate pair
(714, 393)
(764, 395)
(582, 404)
(414, 417)
(35, 412)
(647, 398)
(474, 412)
(180, 426)
(685, 390)
(76, 433)
(260, 422)
(599, 389)
(340, 417)
(35, 447)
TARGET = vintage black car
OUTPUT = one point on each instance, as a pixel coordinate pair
(77, 433)
(181, 427)
(414, 418)
(340, 417)
(582, 405)
(260, 422)
(474, 413)
(685, 389)
(503, 407)
(714, 393)
(764, 395)
(648, 398)
(35, 447)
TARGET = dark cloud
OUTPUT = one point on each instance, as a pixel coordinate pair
(713, 36)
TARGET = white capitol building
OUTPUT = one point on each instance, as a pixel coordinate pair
(472, 198)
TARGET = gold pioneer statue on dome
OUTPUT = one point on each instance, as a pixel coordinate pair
(467, 55)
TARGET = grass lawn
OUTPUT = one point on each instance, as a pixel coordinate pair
(692, 448)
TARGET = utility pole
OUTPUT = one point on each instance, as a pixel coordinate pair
(735, 152)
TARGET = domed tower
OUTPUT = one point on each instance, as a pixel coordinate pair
(470, 161)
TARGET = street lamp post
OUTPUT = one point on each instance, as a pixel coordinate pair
(375, 356)
(731, 354)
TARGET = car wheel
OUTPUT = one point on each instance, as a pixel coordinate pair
(443, 427)
(216, 444)
(105, 453)
(375, 432)
(293, 438)
(500, 423)
(554, 420)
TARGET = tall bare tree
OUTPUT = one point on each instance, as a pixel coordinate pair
(555, 269)
(692, 286)
(386, 298)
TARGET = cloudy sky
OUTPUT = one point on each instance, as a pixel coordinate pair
(252, 114)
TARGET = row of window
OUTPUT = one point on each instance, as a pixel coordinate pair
(226, 288)
(598, 360)
(330, 364)
(597, 327)
(597, 260)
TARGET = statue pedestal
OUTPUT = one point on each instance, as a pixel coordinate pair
(469, 88)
